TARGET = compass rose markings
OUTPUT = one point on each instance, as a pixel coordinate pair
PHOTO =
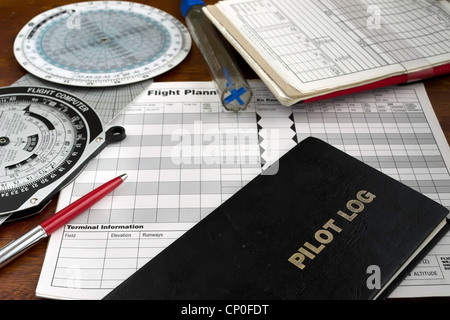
(115, 43)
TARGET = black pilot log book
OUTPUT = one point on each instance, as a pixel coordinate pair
(313, 230)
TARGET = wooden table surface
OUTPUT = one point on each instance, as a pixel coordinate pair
(18, 279)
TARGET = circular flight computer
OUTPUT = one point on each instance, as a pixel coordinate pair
(47, 136)
(101, 43)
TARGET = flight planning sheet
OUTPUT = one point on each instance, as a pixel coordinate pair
(185, 155)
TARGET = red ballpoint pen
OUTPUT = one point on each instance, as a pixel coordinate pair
(46, 228)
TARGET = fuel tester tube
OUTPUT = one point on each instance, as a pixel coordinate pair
(235, 93)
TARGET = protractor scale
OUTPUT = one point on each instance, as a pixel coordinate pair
(101, 43)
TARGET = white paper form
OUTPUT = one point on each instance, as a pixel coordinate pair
(185, 155)
(315, 44)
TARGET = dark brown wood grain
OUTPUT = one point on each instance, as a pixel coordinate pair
(18, 279)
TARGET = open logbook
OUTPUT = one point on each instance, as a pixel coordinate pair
(314, 49)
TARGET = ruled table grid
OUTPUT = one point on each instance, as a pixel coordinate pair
(185, 158)
(344, 38)
(407, 30)
(388, 132)
(312, 51)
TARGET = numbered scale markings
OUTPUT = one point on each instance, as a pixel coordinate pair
(46, 138)
(101, 43)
